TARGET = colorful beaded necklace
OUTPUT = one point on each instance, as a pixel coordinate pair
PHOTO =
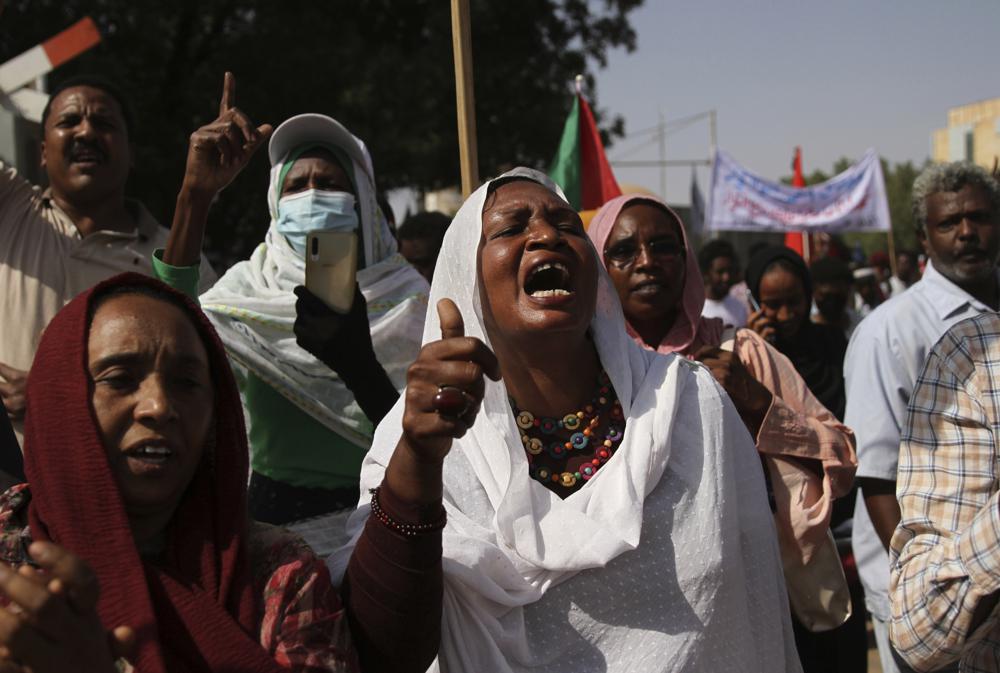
(540, 435)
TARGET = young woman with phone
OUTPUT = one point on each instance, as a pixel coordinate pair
(780, 281)
(314, 381)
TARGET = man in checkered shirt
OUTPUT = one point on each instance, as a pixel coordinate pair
(945, 553)
(956, 213)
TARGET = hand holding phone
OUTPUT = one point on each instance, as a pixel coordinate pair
(759, 322)
(331, 267)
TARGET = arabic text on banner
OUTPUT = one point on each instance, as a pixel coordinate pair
(851, 201)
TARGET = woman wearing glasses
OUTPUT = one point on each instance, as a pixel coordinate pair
(809, 454)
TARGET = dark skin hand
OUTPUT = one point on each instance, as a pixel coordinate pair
(883, 508)
(217, 152)
(751, 398)
(51, 624)
(13, 389)
(762, 325)
(344, 344)
(414, 471)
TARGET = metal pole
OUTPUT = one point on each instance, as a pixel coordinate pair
(663, 158)
(669, 162)
(712, 139)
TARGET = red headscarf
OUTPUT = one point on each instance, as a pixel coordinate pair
(690, 331)
(195, 610)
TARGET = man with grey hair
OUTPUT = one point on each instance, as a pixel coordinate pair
(956, 211)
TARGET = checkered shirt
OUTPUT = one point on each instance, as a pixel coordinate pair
(945, 556)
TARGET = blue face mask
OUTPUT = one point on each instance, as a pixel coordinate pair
(298, 214)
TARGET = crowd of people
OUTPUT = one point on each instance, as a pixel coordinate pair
(527, 445)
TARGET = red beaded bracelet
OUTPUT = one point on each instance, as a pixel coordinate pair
(406, 529)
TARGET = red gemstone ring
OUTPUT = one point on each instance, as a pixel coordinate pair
(452, 401)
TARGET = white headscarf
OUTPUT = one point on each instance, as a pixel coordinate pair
(253, 309)
(510, 541)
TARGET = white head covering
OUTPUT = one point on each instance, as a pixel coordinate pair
(253, 307)
(510, 541)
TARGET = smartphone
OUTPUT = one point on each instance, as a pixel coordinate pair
(331, 267)
(755, 305)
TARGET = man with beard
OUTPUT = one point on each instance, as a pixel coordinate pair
(956, 211)
(79, 231)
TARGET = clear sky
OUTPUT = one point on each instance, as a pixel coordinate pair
(833, 77)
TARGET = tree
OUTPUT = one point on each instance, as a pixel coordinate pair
(384, 69)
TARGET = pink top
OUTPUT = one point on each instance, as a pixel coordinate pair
(796, 427)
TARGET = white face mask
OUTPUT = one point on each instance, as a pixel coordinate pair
(314, 209)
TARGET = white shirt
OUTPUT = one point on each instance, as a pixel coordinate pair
(731, 310)
(883, 360)
(45, 262)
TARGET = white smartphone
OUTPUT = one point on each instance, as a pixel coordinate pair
(331, 267)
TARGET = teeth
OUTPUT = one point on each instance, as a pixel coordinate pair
(154, 451)
(551, 265)
(558, 292)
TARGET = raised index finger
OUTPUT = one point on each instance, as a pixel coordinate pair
(228, 93)
(450, 317)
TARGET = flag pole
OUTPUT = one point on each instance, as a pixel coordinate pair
(461, 40)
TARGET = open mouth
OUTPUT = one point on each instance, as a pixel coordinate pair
(86, 155)
(651, 286)
(550, 279)
(151, 454)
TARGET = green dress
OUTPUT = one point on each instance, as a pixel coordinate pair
(286, 443)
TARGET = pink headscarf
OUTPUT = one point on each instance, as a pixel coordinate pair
(690, 331)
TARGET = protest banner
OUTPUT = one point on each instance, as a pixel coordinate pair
(854, 200)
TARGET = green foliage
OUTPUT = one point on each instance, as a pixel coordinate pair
(382, 68)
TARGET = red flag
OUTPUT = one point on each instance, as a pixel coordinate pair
(793, 239)
(597, 182)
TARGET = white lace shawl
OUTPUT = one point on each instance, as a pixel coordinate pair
(253, 310)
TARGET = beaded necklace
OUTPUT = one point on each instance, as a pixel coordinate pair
(545, 437)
